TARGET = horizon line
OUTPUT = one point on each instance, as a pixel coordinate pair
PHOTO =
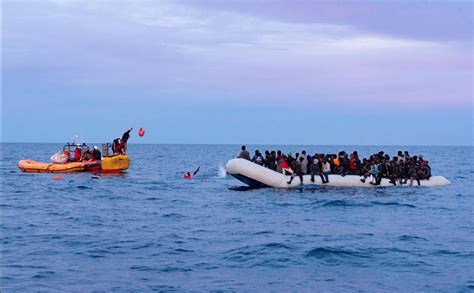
(255, 144)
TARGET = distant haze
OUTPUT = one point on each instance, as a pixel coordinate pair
(250, 72)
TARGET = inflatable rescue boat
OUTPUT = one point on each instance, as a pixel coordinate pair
(257, 176)
(114, 163)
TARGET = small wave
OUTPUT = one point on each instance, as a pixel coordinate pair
(152, 198)
(342, 203)
(205, 266)
(179, 251)
(146, 245)
(275, 245)
(452, 253)
(333, 253)
(143, 268)
(96, 256)
(284, 204)
(25, 267)
(164, 288)
(43, 275)
(262, 232)
(411, 238)
(183, 250)
(83, 187)
(278, 263)
(397, 204)
(245, 253)
(173, 216)
(175, 269)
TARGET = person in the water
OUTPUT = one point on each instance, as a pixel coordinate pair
(188, 175)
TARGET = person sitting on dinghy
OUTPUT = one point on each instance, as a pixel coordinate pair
(258, 158)
(297, 170)
(326, 170)
(394, 172)
(365, 170)
(316, 168)
(285, 168)
(271, 162)
(374, 171)
(413, 173)
(244, 154)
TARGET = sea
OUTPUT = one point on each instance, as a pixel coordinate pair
(150, 230)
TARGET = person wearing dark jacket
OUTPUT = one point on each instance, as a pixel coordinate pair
(317, 168)
(394, 172)
(125, 137)
(413, 173)
(365, 170)
(258, 158)
(383, 172)
(297, 164)
(272, 164)
(96, 154)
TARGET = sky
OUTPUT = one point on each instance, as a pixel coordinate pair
(243, 72)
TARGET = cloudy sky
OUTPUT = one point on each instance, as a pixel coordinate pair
(283, 72)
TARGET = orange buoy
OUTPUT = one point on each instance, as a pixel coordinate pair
(187, 175)
(141, 132)
(58, 177)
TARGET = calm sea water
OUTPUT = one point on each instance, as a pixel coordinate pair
(149, 229)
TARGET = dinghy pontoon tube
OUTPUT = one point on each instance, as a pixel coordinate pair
(257, 176)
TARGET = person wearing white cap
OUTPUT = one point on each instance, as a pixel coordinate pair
(96, 155)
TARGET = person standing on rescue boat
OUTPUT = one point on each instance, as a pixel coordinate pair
(125, 137)
(77, 153)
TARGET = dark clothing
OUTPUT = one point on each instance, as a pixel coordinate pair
(126, 136)
(316, 169)
(271, 162)
(258, 160)
(383, 170)
(394, 173)
(96, 155)
(296, 172)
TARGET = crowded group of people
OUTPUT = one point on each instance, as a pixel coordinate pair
(398, 169)
(84, 153)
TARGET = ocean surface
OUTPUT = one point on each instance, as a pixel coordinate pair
(151, 230)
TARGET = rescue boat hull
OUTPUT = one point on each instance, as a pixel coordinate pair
(113, 164)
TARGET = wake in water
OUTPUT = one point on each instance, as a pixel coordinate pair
(221, 173)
